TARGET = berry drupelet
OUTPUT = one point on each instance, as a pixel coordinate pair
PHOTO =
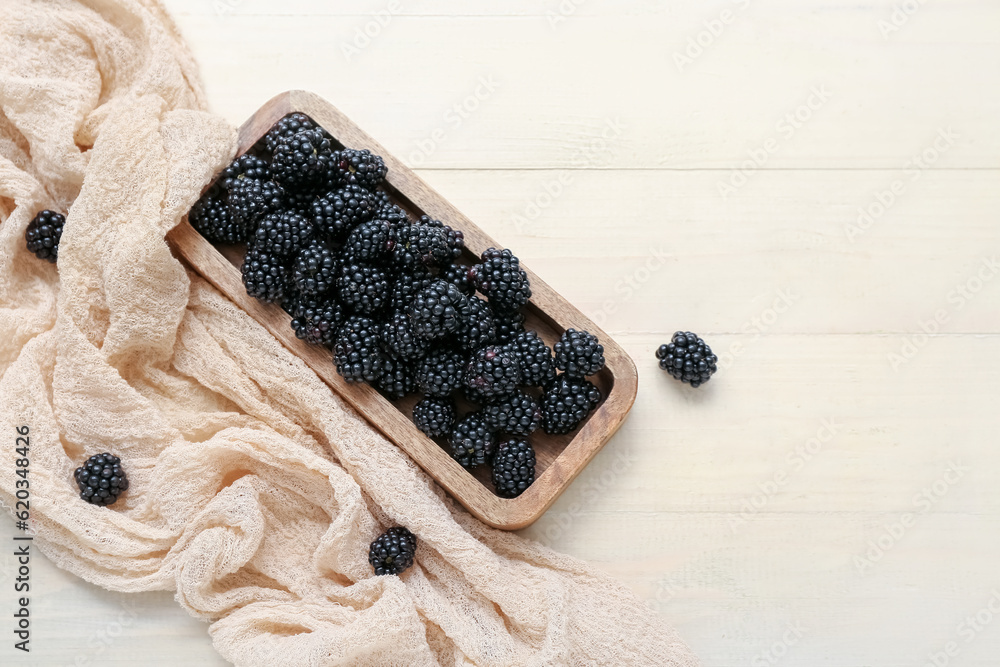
(356, 351)
(440, 373)
(538, 368)
(578, 353)
(472, 441)
(101, 479)
(492, 371)
(518, 414)
(43, 234)
(513, 468)
(502, 280)
(434, 416)
(566, 403)
(315, 269)
(437, 310)
(392, 552)
(687, 358)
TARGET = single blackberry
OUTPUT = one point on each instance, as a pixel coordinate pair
(371, 241)
(438, 310)
(357, 353)
(440, 372)
(291, 124)
(434, 416)
(315, 268)
(518, 414)
(392, 552)
(538, 368)
(420, 245)
(282, 234)
(397, 379)
(472, 441)
(391, 213)
(567, 402)
(301, 203)
(301, 162)
(363, 287)
(101, 479)
(211, 216)
(502, 280)
(264, 275)
(336, 213)
(478, 329)
(250, 200)
(688, 358)
(578, 353)
(513, 468)
(399, 340)
(406, 287)
(492, 371)
(508, 325)
(458, 275)
(245, 167)
(43, 234)
(315, 318)
(455, 238)
(361, 167)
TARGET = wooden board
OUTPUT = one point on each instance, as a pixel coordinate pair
(560, 458)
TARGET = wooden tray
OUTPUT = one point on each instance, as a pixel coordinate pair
(560, 458)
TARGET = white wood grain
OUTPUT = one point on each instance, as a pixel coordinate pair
(704, 504)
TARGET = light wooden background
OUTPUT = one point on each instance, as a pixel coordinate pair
(749, 512)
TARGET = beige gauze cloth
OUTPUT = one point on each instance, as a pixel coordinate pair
(255, 490)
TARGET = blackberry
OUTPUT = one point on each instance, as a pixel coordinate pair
(538, 368)
(356, 350)
(282, 234)
(478, 328)
(363, 287)
(434, 416)
(391, 213)
(43, 234)
(211, 216)
(371, 241)
(250, 200)
(291, 124)
(438, 310)
(264, 275)
(518, 413)
(502, 280)
(406, 287)
(458, 275)
(301, 161)
(440, 372)
(492, 371)
(508, 325)
(361, 167)
(336, 213)
(397, 379)
(315, 268)
(688, 358)
(567, 402)
(101, 479)
(472, 441)
(392, 552)
(315, 319)
(245, 167)
(301, 203)
(578, 353)
(399, 340)
(454, 238)
(513, 468)
(420, 245)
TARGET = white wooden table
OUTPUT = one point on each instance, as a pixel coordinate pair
(811, 186)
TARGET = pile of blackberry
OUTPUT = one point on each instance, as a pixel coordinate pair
(393, 299)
